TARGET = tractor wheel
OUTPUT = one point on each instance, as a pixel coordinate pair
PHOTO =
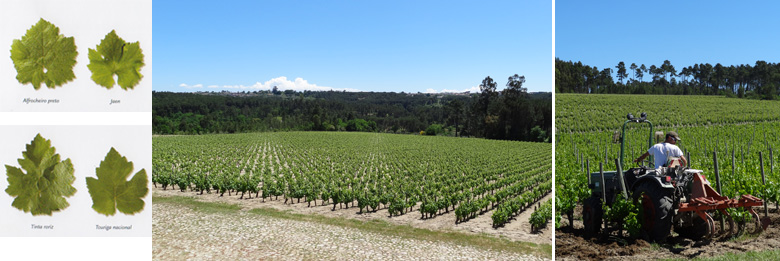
(655, 211)
(696, 231)
(591, 216)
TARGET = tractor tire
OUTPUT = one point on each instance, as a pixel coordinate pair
(655, 211)
(592, 214)
(697, 231)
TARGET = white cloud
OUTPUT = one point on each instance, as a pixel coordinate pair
(282, 83)
(184, 85)
(473, 89)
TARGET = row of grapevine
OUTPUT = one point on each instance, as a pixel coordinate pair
(518, 204)
(540, 217)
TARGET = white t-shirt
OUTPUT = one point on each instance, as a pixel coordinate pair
(662, 151)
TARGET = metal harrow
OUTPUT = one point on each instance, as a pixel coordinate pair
(704, 198)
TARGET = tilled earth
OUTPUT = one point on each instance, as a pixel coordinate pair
(182, 233)
(570, 244)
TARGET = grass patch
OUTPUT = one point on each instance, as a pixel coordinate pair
(745, 236)
(655, 246)
(406, 231)
(376, 226)
(750, 255)
(207, 207)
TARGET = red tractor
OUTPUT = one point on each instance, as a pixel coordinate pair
(668, 196)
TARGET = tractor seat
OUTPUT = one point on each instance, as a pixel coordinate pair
(674, 162)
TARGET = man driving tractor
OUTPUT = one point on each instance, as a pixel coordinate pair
(663, 151)
(679, 198)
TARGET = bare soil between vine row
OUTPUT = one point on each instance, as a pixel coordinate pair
(570, 244)
(518, 229)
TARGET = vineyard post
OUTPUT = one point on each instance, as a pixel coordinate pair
(620, 176)
(763, 180)
(717, 182)
(603, 191)
(573, 145)
(588, 170)
(688, 157)
(717, 173)
(742, 152)
(733, 162)
(750, 143)
(771, 162)
(598, 151)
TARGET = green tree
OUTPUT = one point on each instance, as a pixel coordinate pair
(434, 129)
(516, 116)
(654, 71)
(667, 67)
(718, 77)
(515, 85)
(455, 109)
(538, 134)
(487, 95)
(621, 71)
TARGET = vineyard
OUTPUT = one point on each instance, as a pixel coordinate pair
(742, 135)
(368, 172)
(586, 113)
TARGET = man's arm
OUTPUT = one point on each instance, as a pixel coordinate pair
(642, 157)
(683, 160)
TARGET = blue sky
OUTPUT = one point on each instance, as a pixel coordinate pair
(410, 46)
(603, 33)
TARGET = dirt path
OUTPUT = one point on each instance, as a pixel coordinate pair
(518, 229)
(181, 233)
(570, 245)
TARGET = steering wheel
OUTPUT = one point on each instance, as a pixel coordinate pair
(642, 164)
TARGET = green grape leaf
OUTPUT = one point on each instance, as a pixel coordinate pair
(43, 55)
(115, 56)
(46, 184)
(111, 191)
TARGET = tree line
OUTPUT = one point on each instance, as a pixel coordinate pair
(759, 81)
(511, 114)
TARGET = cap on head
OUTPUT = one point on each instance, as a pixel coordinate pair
(673, 134)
